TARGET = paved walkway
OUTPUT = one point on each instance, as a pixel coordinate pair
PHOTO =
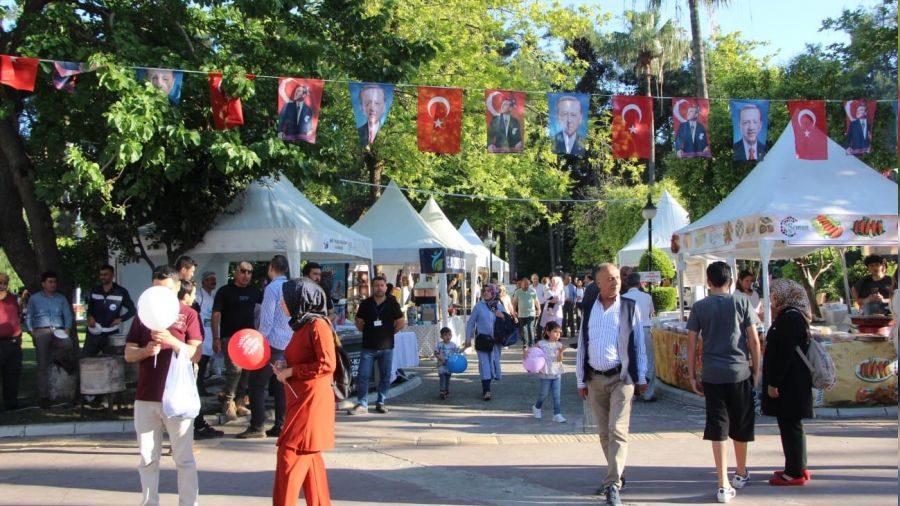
(464, 451)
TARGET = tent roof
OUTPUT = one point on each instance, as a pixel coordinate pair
(484, 254)
(272, 215)
(787, 194)
(670, 216)
(437, 220)
(396, 229)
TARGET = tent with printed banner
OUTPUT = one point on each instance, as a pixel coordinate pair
(271, 217)
(670, 216)
(787, 208)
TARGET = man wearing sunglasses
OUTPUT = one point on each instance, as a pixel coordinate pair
(233, 309)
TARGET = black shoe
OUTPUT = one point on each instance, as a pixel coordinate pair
(612, 496)
(207, 432)
(379, 408)
(274, 431)
(251, 433)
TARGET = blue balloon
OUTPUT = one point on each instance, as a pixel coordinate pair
(457, 363)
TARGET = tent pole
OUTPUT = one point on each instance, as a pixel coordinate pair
(849, 299)
(765, 254)
(680, 298)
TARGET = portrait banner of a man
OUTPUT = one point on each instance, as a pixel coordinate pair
(858, 125)
(505, 118)
(690, 122)
(299, 103)
(750, 129)
(568, 113)
(371, 106)
(166, 80)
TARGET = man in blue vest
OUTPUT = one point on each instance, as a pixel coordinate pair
(611, 360)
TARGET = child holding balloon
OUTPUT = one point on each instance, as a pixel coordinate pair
(551, 373)
(442, 352)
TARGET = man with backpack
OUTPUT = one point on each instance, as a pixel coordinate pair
(274, 326)
(731, 371)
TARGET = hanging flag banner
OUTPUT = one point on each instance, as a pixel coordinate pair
(896, 123)
(631, 126)
(439, 120)
(808, 120)
(371, 106)
(568, 126)
(858, 125)
(18, 72)
(166, 80)
(227, 111)
(690, 122)
(505, 117)
(299, 103)
(750, 129)
(65, 72)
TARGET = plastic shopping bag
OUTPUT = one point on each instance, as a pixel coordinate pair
(180, 397)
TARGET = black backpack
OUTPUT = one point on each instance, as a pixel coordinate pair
(506, 332)
(343, 382)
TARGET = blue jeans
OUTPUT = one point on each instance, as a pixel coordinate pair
(548, 385)
(526, 330)
(445, 382)
(367, 360)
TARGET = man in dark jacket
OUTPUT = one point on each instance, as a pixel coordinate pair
(104, 312)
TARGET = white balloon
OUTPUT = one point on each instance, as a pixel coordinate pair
(158, 308)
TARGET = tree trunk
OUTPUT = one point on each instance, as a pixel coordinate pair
(374, 167)
(697, 50)
(14, 230)
(43, 253)
(651, 163)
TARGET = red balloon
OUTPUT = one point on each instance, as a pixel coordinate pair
(248, 349)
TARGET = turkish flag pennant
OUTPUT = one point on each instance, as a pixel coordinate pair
(18, 72)
(809, 122)
(227, 111)
(439, 119)
(631, 126)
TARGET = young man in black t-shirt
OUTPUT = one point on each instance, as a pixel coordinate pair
(873, 291)
(379, 317)
(233, 310)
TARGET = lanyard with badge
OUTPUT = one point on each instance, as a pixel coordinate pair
(378, 310)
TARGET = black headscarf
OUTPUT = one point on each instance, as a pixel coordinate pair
(305, 301)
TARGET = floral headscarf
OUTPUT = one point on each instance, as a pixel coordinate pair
(493, 289)
(785, 294)
(305, 301)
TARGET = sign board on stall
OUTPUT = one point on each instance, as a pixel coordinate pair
(650, 277)
(441, 260)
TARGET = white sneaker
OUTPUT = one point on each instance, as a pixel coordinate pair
(535, 412)
(559, 419)
(740, 481)
(725, 494)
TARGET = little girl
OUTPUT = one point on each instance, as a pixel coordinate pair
(442, 353)
(551, 374)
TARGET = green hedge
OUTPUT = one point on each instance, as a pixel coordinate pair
(665, 298)
(661, 263)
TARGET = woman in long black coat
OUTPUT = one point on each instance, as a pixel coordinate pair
(787, 382)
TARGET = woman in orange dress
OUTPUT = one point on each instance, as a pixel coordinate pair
(309, 417)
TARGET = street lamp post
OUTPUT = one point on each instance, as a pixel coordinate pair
(649, 212)
(489, 243)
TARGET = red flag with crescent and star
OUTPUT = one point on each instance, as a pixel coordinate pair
(18, 72)
(439, 119)
(809, 123)
(631, 126)
(227, 111)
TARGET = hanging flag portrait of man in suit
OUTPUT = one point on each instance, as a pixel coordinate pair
(690, 117)
(299, 102)
(859, 123)
(371, 106)
(166, 80)
(65, 73)
(568, 114)
(750, 129)
(505, 117)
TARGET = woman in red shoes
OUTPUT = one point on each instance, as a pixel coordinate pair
(787, 382)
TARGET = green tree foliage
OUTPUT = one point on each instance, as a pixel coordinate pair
(665, 298)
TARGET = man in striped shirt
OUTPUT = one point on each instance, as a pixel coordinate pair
(611, 360)
(274, 326)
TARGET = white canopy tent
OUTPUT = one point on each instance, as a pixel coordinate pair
(786, 208)
(271, 217)
(670, 216)
(500, 266)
